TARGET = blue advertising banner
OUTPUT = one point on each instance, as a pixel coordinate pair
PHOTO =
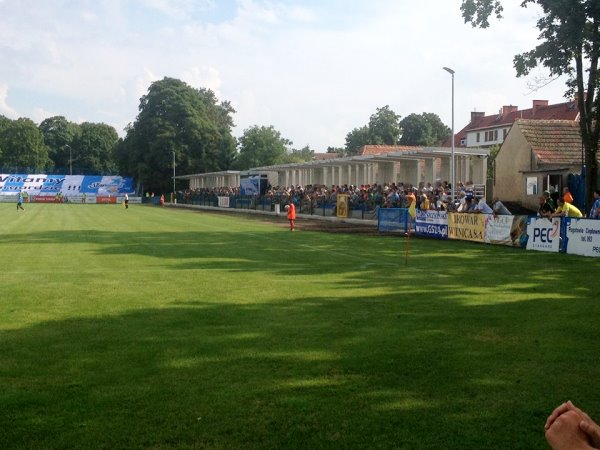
(48, 185)
(432, 224)
(250, 185)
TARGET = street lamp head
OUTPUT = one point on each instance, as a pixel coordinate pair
(447, 69)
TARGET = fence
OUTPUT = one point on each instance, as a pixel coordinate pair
(324, 208)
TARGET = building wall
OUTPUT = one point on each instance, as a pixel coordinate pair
(472, 137)
(513, 158)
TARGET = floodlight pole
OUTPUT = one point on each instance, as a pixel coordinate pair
(452, 170)
(70, 159)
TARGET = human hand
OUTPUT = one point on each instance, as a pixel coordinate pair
(565, 434)
(586, 424)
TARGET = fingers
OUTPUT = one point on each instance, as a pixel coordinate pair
(589, 427)
(560, 409)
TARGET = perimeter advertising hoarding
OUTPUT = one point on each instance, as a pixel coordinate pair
(543, 234)
(432, 224)
(48, 185)
(583, 237)
(506, 230)
(466, 227)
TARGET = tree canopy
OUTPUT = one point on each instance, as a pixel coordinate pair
(383, 129)
(569, 45)
(424, 129)
(177, 119)
(261, 146)
(22, 146)
(59, 134)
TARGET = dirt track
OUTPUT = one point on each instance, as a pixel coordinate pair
(309, 224)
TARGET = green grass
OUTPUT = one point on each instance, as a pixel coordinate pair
(155, 328)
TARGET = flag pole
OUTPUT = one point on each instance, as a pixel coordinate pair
(412, 213)
(407, 242)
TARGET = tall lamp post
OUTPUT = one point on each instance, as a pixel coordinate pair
(70, 159)
(452, 171)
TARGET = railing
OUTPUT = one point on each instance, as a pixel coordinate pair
(314, 207)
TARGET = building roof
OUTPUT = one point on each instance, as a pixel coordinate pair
(540, 110)
(325, 156)
(383, 149)
(552, 141)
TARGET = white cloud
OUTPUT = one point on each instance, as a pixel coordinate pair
(5, 109)
(203, 77)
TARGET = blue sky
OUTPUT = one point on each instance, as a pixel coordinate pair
(313, 69)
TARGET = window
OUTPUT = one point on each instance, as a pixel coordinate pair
(478, 137)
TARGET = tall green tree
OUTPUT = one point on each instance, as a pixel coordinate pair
(424, 129)
(22, 145)
(356, 139)
(384, 126)
(261, 146)
(383, 129)
(93, 149)
(569, 45)
(177, 119)
(59, 135)
(303, 154)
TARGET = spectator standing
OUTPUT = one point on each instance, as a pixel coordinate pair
(567, 197)
(566, 209)
(482, 207)
(545, 209)
(595, 211)
(499, 208)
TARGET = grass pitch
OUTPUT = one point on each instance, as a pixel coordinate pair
(159, 328)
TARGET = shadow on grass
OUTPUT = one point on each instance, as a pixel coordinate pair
(308, 373)
(281, 252)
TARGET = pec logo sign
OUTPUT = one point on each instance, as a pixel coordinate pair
(543, 235)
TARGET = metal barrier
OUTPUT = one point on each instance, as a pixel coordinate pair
(364, 211)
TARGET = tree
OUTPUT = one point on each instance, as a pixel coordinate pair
(261, 146)
(383, 129)
(177, 119)
(59, 134)
(93, 149)
(423, 129)
(23, 146)
(356, 139)
(570, 45)
(298, 156)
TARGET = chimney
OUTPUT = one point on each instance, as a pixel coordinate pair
(508, 109)
(475, 116)
(537, 104)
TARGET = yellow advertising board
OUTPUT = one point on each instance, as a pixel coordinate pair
(466, 226)
(342, 205)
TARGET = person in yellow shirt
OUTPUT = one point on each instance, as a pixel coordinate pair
(567, 210)
(425, 204)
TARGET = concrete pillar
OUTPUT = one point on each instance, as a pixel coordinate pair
(429, 172)
(410, 172)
